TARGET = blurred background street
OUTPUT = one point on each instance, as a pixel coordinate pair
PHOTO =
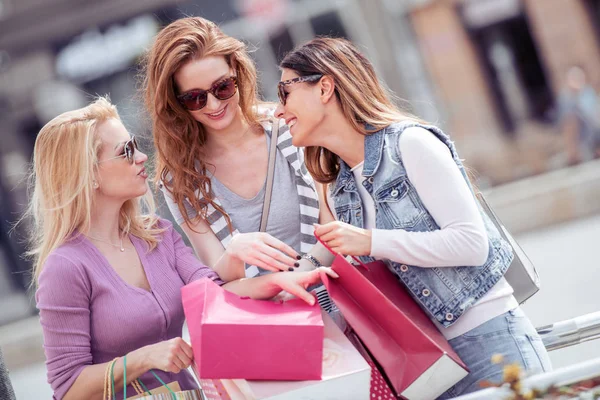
(505, 78)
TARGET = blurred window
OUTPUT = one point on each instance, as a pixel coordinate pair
(281, 43)
(328, 24)
(594, 10)
(513, 70)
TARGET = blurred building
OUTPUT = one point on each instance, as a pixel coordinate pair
(487, 71)
(498, 67)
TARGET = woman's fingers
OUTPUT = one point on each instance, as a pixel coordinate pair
(282, 247)
(321, 230)
(299, 291)
(176, 364)
(187, 349)
(184, 360)
(271, 263)
(330, 272)
(261, 264)
(276, 254)
(329, 236)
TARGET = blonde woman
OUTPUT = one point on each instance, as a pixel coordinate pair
(212, 146)
(399, 192)
(108, 275)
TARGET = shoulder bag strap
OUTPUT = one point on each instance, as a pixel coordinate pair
(270, 175)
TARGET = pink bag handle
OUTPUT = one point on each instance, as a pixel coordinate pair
(334, 253)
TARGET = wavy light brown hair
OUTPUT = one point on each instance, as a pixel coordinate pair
(179, 139)
(65, 161)
(363, 99)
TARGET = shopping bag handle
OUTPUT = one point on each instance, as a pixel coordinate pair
(138, 381)
(334, 253)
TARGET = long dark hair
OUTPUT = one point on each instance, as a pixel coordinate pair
(363, 99)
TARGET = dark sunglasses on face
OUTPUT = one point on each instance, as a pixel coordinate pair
(195, 100)
(281, 85)
(128, 152)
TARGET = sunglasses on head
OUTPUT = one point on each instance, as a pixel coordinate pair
(129, 149)
(281, 85)
(195, 100)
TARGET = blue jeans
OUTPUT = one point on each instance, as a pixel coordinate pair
(510, 334)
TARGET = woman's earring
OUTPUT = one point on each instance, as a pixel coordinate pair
(95, 184)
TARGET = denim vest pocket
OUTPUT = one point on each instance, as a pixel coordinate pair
(348, 213)
(395, 201)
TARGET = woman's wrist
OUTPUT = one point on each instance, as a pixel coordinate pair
(312, 260)
(230, 267)
(139, 361)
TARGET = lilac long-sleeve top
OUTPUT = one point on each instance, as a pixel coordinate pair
(90, 315)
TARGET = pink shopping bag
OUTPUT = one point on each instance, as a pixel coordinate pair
(234, 337)
(346, 375)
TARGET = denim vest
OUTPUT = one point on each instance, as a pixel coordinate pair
(445, 292)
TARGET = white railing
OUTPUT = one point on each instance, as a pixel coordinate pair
(556, 336)
(571, 332)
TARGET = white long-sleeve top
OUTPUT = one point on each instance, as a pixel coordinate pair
(461, 239)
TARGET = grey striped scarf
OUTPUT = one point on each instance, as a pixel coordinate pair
(309, 209)
(307, 195)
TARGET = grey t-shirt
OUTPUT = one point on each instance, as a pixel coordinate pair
(245, 214)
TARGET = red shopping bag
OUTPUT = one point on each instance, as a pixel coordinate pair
(234, 337)
(416, 358)
(379, 388)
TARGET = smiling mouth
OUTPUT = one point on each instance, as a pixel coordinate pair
(291, 122)
(218, 114)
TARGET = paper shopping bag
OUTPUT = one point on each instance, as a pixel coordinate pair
(416, 358)
(234, 337)
(346, 375)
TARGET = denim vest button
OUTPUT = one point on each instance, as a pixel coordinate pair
(358, 213)
(403, 268)
(449, 317)
(425, 292)
(394, 193)
(370, 180)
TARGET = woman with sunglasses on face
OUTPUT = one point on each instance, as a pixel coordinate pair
(212, 146)
(109, 277)
(399, 192)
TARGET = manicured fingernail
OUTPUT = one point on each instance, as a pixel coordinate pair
(290, 269)
(296, 265)
(298, 257)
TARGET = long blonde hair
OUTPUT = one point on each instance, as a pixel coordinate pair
(65, 161)
(363, 99)
(179, 139)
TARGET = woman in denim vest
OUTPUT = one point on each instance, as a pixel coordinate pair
(399, 192)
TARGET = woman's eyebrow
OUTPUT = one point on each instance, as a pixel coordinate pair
(225, 75)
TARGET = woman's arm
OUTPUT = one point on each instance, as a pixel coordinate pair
(255, 248)
(260, 249)
(461, 239)
(262, 287)
(268, 286)
(210, 251)
(63, 298)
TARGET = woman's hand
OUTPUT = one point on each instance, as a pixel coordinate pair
(172, 355)
(264, 251)
(295, 283)
(344, 238)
